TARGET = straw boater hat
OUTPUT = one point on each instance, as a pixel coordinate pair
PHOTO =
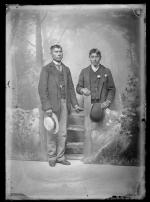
(97, 113)
(51, 123)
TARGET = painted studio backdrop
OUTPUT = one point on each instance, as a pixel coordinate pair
(30, 31)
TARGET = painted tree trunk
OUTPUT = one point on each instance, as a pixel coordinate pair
(39, 61)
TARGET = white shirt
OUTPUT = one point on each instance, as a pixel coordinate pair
(94, 68)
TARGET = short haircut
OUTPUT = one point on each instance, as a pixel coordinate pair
(95, 50)
(55, 46)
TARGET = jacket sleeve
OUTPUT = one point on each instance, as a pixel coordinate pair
(111, 87)
(72, 90)
(43, 90)
(80, 84)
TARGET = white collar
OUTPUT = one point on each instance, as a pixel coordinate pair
(56, 63)
(94, 68)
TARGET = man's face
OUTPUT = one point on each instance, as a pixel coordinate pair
(57, 54)
(95, 59)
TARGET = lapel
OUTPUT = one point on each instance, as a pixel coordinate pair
(101, 72)
(54, 72)
(102, 79)
(88, 77)
(65, 75)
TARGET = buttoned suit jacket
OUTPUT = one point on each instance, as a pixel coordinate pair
(106, 85)
(49, 89)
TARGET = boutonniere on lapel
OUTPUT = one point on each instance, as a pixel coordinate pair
(98, 76)
(105, 75)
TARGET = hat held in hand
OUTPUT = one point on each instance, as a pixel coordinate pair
(97, 113)
(51, 123)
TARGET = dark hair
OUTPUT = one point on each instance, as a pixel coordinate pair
(55, 46)
(95, 50)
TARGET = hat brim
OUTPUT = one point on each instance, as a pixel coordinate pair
(56, 123)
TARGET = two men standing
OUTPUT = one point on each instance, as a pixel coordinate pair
(57, 94)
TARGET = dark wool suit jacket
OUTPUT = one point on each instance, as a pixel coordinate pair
(106, 84)
(49, 89)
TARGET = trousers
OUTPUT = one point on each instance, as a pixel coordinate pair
(89, 126)
(56, 143)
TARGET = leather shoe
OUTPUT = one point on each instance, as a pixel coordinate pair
(52, 163)
(64, 162)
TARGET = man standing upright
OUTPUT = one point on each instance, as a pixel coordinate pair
(97, 86)
(57, 94)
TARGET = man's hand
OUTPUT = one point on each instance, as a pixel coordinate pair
(49, 112)
(105, 104)
(85, 91)
(77, 108)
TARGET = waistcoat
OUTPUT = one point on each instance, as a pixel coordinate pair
(94, 84)
(61, 83)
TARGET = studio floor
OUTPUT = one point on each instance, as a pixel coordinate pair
(37, 180)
